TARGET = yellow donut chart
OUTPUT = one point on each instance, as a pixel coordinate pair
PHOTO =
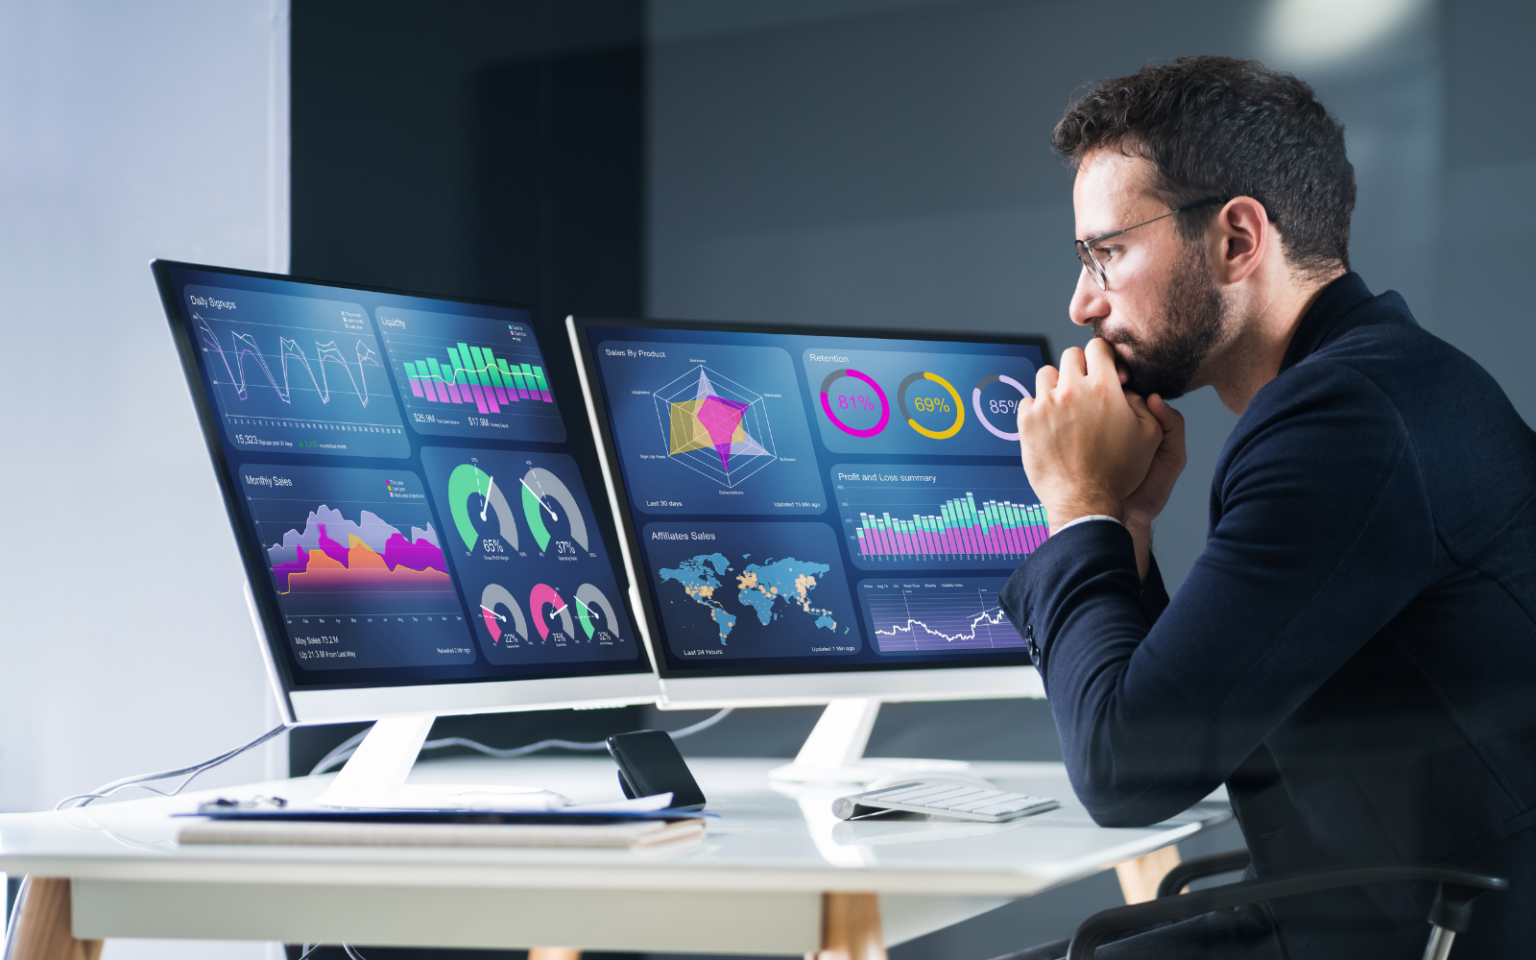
(959, 407)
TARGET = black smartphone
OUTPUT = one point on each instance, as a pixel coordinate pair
(650, 764)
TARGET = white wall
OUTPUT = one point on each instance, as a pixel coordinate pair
(127, 132)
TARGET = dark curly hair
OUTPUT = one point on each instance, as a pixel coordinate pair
(1219, 127)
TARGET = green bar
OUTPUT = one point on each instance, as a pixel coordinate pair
(410, 369)
(971, 501)
(490, 368)
(478, 366)
(456, 363)
(538, 373)
(437, 372)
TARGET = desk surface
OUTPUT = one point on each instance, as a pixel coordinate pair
(772, 848)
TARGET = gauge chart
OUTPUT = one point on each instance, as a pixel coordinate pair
(944, 403)
(937, 615)
(934, 516)
(526, 550)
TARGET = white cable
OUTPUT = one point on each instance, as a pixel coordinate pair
(106, 790)
(347, 747)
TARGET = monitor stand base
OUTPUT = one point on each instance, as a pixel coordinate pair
(374, 777)
(834, 752)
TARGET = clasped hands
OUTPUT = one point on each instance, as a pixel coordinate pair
(1090, 446)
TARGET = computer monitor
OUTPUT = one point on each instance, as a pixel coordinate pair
(408, 480)
(817, 514)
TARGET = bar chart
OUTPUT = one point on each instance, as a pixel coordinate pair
(471, 376)
(475, 375)
(931, 517)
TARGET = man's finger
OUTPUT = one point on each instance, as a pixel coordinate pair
(1100, 360)
(1045, 381)
(1073, 363)
(1171, 420)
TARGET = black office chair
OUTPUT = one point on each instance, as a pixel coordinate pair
(1450, 914)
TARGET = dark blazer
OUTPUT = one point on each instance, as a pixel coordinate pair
(1354, 654)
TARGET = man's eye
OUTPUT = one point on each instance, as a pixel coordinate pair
(1106, 254)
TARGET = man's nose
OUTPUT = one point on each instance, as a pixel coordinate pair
(1088, 301)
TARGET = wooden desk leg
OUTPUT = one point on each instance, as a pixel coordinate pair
(850, 928)
(41, 926)
(554, 953)
(1139, 878)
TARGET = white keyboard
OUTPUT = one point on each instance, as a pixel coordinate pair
(964, 802)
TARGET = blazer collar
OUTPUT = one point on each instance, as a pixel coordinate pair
(1329, 317)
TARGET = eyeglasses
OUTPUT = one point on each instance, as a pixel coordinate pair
(1090, 260)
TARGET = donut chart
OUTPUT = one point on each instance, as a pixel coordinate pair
(495, 623)
(544, 595)
(594, 611)
(826, 403)
(959, 407)
(468, 480)
(976, 402)
(540, 485)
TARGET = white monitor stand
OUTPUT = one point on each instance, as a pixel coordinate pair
(374, 777)
(834, 752)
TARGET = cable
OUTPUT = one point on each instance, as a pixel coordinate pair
(352, 952)
(107, 790)
(347, 747)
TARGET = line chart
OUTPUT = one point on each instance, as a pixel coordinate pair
(937, 616)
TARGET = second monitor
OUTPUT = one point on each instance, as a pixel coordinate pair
(813, 515)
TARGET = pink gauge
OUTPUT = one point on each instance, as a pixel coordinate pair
(543, 595)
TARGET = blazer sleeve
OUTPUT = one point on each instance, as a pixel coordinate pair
(1321, 534)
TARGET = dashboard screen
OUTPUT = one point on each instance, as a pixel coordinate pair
(403, 483)
(798, 500)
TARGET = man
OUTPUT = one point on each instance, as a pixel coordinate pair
(1354, 653)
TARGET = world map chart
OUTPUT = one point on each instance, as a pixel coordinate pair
(767, 588)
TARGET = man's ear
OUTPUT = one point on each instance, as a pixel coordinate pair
(1240, 234)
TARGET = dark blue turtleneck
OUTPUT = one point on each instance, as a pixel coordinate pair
(1354, 653)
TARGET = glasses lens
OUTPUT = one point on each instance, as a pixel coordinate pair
(1091, 264)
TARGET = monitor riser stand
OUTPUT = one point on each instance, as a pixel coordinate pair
(374, 777)
(834, 752)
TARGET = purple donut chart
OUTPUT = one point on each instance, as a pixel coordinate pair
(999, 406)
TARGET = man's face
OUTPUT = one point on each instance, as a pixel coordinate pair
(1163, 312)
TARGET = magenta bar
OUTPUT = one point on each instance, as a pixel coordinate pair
(501, 396)
(490, 399)
(474, 390)
(453, 392)
(862, 551)
(973, 540)
(886, 546)
(415, 386)
(1036, 537)
(907, 546)
(546, 396)
(951, 542)
(930, 545)
(1011, 535)
(1022, 534)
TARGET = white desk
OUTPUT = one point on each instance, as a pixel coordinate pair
(755, 885)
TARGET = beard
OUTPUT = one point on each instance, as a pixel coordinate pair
(1193, 318)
